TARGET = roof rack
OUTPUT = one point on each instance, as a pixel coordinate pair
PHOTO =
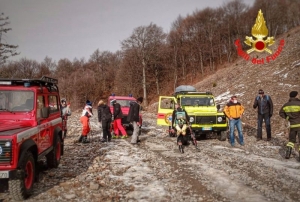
(45, 81)
(48, 82)
(192, 93)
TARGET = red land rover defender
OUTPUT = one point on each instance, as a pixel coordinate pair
(30, 129)
(124, 101)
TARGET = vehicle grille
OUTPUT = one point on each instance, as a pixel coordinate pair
(6, 152)
(206, 119)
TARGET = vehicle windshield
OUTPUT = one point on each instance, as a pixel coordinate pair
(197, 101)
(123, 103)
(16, 100)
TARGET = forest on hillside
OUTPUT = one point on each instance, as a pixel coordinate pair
(151, 62)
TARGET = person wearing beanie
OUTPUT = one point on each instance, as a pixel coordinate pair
(85, 119)
(134, 118)
(264, 106)
(291, 112)
(117, 120)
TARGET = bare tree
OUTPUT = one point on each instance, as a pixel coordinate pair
(6, 50)
(145, 40)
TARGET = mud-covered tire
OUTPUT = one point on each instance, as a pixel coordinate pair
(222, 135)
(21, 189)
(53, 158)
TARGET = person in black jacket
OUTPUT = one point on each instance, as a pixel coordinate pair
(134, 118)
(117, 119)
(264, 106)
(104, 119)
(291, 112)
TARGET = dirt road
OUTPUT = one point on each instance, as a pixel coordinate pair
(154, 170)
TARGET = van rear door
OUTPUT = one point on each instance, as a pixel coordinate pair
(166, 106)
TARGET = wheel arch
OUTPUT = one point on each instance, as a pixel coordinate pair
(28, 145)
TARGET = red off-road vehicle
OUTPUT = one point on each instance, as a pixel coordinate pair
(30, 129)
(124, 101)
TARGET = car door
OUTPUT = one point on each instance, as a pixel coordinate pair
(44, 141)
(166, 106)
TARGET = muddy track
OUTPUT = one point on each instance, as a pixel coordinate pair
(254, 172)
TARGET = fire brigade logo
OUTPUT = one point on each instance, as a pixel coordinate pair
(259, 42)
(259, 31)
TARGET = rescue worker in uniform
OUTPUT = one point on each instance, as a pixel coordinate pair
(291, 112)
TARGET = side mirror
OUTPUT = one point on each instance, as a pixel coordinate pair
(218, 107)
(45, 112)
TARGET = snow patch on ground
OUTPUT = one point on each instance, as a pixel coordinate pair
(138, 174)
(232, 189)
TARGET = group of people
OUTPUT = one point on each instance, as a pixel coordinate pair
(234, 111)
(289, 111)
(108, 118)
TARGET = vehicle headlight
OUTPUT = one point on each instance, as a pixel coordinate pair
(220, 119)
(192, 119)
(7, 144)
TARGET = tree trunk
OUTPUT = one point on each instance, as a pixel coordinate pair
(144, 83)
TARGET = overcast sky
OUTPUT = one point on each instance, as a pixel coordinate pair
(76, 28)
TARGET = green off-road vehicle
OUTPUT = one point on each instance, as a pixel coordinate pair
(205, 117)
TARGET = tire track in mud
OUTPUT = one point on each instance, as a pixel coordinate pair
(236, 174)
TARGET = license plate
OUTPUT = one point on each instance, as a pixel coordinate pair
(206, 128)
(3, 174)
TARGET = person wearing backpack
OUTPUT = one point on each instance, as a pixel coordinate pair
(180, 121)
(264, 106)
(104, 119)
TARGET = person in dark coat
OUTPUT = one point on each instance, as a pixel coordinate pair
(264, 106)
(291, 112)
(134, 118)
(104, 119)
(117, 116)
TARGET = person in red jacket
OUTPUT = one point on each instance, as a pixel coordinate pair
(84, 119)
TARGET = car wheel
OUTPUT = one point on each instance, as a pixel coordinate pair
(222, 135)
(21, 189)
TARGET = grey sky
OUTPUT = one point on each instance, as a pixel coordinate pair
(76, 28)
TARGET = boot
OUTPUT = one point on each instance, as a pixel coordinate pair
(103, 140)
(80, 138)
(85, 140)
(288, 152)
